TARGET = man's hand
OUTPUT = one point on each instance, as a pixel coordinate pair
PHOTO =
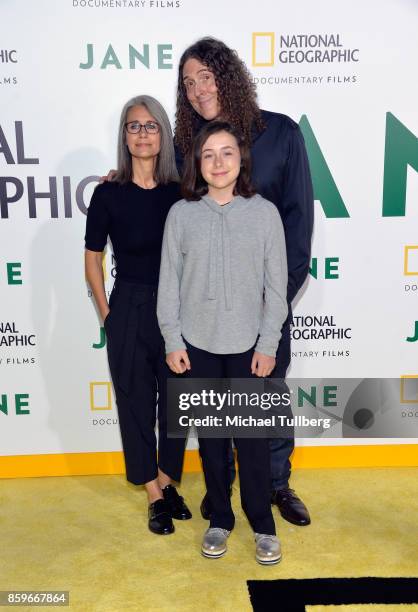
(262, 365)
(178, 361)
(109, 176)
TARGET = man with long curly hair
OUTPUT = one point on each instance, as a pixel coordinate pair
(214, 83)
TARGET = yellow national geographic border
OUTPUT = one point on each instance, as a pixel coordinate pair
(78, 464)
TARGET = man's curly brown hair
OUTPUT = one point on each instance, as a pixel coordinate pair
(236, 92)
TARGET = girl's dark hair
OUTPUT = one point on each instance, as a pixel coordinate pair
(236, 92)
(193, 185)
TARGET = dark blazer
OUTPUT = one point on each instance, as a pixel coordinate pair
(281, 174)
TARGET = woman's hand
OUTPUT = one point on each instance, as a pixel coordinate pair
(105, 314)
(94, 276)
(262, 365)
(178, 361)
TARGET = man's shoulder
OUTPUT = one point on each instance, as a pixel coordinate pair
(278, 120)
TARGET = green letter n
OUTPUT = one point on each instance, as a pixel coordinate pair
(401, 149)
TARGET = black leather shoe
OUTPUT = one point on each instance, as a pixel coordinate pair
(159, 518)
(206, 506)
(175, 503)
(291, 507)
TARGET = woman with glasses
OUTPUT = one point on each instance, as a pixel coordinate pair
(131, 210)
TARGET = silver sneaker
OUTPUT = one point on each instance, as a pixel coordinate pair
(267, 551)
(214, 542)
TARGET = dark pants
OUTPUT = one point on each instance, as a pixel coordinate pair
(253, 454)
(280, 448)
(137, 365)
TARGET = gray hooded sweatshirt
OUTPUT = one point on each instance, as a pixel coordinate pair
(223, 276)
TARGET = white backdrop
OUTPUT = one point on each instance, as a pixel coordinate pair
(59, 119)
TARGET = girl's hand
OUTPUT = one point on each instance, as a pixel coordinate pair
(178, 361)
(262, 365)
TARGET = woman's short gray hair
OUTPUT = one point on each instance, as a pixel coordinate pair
(165, 169)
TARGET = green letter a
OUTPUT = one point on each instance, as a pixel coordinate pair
(325, 189)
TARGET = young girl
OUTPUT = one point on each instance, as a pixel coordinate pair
(221, 306)
(132, 210)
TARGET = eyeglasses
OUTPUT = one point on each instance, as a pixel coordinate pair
(203, 80)
(134, 127)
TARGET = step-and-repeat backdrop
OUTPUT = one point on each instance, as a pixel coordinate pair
(346, 73)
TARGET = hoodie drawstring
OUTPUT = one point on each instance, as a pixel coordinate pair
(226, 259)
(219, 231)
(213, 256)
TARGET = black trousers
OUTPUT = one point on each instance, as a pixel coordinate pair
(280, 448)
(253, 454)
(139, 372)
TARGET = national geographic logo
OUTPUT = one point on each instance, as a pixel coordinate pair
(300, 49)
(410, 267)
(409, 395)
(8, 56)
(102, 421)
(100, 395)
(319, 328)
(13, 338)
(322, 327)
(131, 57)
(101, 399)
(292, 50)
(42, 193)
(10, 336)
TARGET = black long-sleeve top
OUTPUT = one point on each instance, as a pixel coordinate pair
(280, 173)
(134, 220)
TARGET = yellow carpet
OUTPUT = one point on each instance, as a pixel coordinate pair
(88, 535)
